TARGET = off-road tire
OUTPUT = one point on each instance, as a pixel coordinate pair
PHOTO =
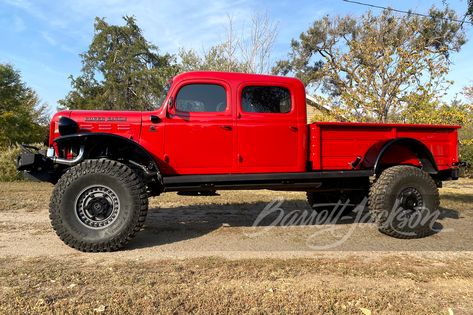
(118, 178)
(387, 191)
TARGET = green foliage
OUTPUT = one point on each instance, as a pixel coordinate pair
(420, 111)
(8, 156)
(215, 59)
(372, 68)
(8, 170)
(466, 133)
(466, 147)
(121, 70)
(322, 116)
(22, 118)
(466, 153)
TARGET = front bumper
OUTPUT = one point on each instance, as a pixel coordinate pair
(35, 165)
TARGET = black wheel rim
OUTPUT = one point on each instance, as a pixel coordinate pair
(410, 200)
(97, 207)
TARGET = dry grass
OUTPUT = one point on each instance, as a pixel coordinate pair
(397, 284)
(24, 196)
(34, 196)
(83, 284)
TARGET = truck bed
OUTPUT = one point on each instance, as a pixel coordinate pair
(338, 145)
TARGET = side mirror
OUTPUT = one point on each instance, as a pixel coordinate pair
(155, 119)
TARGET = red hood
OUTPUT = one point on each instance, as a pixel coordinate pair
(123, 123)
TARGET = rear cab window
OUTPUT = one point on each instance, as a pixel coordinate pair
(266, 99)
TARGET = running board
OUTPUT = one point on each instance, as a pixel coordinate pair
(277, 181)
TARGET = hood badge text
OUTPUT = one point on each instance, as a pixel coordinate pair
(111, 119)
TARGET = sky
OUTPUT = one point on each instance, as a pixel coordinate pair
(43, 38)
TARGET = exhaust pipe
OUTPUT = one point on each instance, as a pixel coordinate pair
(71, 162)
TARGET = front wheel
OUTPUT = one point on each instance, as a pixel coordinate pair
(98, 206)
(404, 202)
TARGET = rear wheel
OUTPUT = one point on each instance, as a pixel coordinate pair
(98, 205)
(404, 202)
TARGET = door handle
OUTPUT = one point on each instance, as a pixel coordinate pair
(226, 127)
(294, 128)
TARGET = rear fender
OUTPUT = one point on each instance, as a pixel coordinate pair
(399, 151)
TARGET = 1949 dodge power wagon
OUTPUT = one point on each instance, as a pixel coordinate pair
(214, 131)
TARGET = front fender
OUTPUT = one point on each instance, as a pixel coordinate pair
(91, 141)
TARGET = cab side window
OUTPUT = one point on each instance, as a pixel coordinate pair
(266, 99)
(201, 98)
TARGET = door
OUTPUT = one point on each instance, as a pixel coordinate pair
(199, 129)
(269, 136)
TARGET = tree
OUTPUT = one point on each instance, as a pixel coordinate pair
(216, 59)
(237, 53)
(121, 70)
(22, 117)
(455, 113)
(468, 92)
(470, 10)
(372, 67)
(466, 133)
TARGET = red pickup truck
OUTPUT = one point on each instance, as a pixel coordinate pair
(212, 131)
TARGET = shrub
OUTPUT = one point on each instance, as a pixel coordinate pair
(8, 170)
(466, 147)
(466, 153)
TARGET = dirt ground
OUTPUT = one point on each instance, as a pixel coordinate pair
(200, 254)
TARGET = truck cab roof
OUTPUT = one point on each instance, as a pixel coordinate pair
(235, 76)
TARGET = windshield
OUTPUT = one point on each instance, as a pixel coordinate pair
(164, 94)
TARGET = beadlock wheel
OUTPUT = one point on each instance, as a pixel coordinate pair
(410, 201)
(97, 206)
(404, 201)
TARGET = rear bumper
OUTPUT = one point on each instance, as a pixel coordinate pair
(450, 174)
(35, 165)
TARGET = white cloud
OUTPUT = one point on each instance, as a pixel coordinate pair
(49, 38)
(27, 6)
(168, 24)
(18, 24)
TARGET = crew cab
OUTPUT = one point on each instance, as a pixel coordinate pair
(213, 131)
